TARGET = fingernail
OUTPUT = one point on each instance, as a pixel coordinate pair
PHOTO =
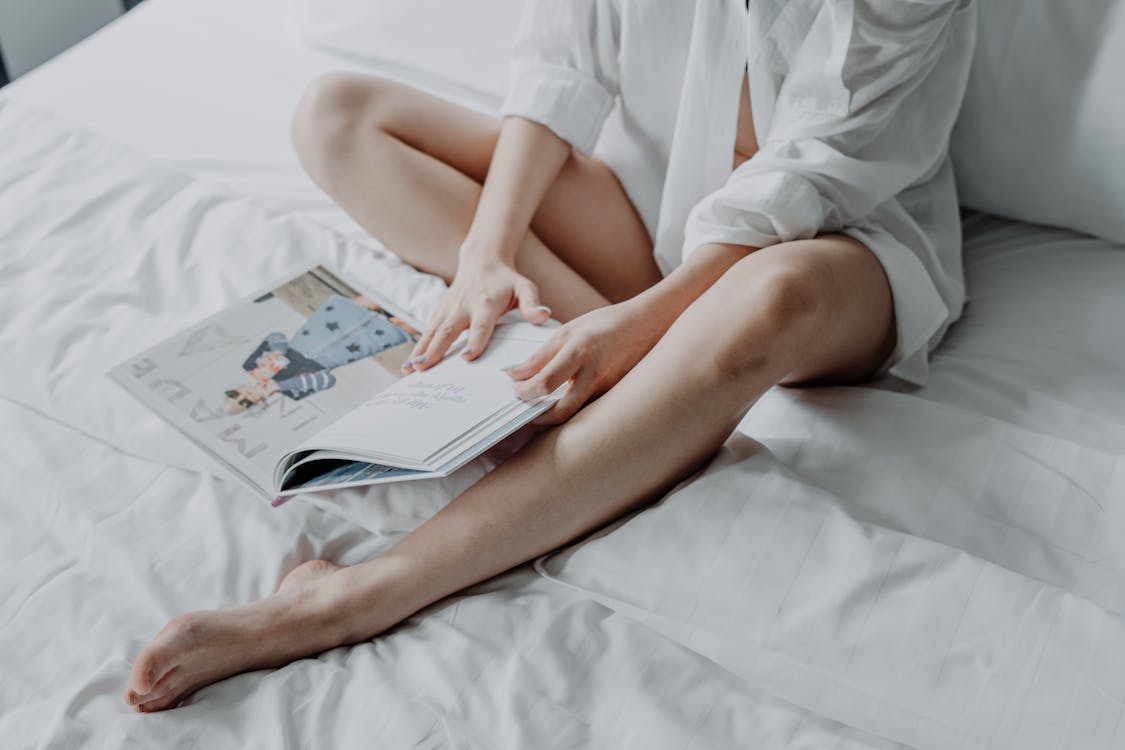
(545, 309)
(531, 395)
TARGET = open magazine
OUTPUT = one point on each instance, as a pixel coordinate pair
(300, 389)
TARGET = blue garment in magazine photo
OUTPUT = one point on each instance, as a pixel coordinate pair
(339, 332)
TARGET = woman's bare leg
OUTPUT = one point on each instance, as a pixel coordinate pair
(408, 167)
(811, 310)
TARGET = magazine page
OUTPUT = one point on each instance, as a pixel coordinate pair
(258, 379)
(428, 416)
(321, 470)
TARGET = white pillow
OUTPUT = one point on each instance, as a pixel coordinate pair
(467, 42)
(1040, 135)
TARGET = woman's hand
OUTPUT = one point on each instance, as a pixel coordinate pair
(525, 162)
(592, 353)
(482, 291)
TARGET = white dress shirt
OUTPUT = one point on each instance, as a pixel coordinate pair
(853, 103)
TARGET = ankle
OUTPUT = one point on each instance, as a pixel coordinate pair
(368, 598)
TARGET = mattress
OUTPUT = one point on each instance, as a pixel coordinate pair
(861, 568)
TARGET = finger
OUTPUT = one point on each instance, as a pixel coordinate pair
(415, 356)
(443, 313)
(423, 342)
(533, 311)
(444, 335)
(480, 331)
(562, 368)
(537, 361)
(581, 390)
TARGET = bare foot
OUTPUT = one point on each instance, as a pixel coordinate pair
(198, 648)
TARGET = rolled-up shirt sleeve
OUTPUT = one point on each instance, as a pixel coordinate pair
(564, 69)
(864, 113)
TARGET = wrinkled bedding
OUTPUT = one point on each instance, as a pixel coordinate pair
(113, 523)
(860, 568)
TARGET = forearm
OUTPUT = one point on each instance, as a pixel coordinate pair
(527, 159)
(667, 300)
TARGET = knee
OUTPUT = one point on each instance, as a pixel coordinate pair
(763, 315)
(333, 112)
(786, 297)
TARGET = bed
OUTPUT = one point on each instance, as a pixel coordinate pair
(859, 568)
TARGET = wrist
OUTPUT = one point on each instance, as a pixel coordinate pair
(664, 302)
(650, 313)
(673, 294)
(477, 248)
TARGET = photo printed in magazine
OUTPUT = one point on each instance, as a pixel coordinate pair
(262, 376)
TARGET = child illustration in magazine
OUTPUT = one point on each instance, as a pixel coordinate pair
(339, 332)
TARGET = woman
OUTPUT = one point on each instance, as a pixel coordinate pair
(771, 202)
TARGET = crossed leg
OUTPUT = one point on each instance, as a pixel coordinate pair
(809, 311)
(408, 167)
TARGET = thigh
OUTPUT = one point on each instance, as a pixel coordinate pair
(586, 218)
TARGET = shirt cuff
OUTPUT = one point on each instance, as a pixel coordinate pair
(573, 105)
(758, 211)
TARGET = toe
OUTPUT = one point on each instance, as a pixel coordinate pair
(161, 656)
(147, 670)
(160, 704)
(164, 694)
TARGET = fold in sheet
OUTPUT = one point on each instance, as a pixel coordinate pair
(945, 577)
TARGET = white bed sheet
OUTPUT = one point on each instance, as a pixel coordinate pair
(1041, 343)
(113, 523)
(514, 663)
(941, 577)
(109, 544)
